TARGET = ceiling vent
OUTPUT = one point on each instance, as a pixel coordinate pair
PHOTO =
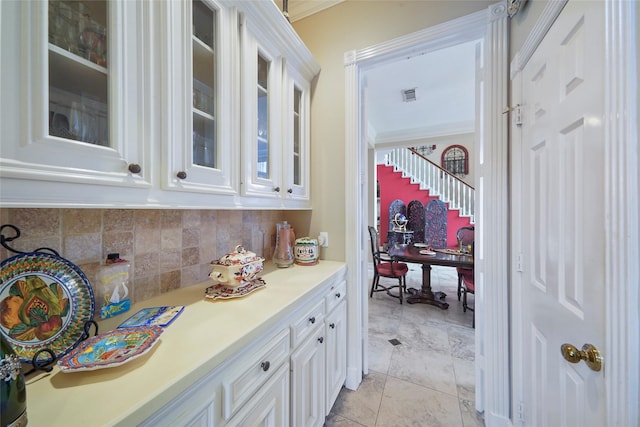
(409, 95)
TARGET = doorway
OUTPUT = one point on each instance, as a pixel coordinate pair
(492, 338)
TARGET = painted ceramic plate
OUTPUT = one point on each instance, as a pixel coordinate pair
(45, 301)
(153, 316)
(110, 349)
(226, 292)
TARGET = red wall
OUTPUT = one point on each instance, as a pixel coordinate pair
(393, 186)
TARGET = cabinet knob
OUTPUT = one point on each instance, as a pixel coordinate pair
(265, 366)
(276, 189)
(182, 175)
(312, 320)
(321, 340)
(290, 190)
(332, 325)
(134, 168)
(338, 295)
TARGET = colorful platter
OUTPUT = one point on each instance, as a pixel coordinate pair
(45, 301)
(110, 349)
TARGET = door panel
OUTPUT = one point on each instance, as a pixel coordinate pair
(563, 184)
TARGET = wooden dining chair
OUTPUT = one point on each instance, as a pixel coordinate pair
(468, 287)
(465, 237)
(386, 267)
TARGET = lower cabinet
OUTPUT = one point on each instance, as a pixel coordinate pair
(308, 381)
(336, 353)
(289, 376)
(270, 406)
(319, 364)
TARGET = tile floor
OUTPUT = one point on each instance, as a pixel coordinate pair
(426, 380)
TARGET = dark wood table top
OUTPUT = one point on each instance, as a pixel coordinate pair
(410, 253)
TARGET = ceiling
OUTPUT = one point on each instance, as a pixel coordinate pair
(444, 83)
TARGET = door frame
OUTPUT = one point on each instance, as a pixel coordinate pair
(621, 370)
(492, 308)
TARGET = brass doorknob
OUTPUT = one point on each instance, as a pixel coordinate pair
(589, 354)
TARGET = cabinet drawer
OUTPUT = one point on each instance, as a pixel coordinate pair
(249, 373)
(306, 323)
(336, 295)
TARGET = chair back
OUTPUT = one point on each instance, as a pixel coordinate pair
(375, 246)
(465, 235)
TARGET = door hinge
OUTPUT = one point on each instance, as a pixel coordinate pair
(520, 412)
(519, 263)
(517, 114)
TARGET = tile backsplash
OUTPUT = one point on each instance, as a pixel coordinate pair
(167, 249)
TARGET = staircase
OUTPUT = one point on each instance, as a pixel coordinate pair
(457, 194)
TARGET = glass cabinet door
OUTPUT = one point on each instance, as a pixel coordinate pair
(262, 106)
(204, 90)
(78, 73)
(296, 135)
(198, 153)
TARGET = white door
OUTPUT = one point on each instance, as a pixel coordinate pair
(563, 293)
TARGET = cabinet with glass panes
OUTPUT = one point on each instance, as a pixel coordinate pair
(75, 80)
(201, 155)
(133, 104)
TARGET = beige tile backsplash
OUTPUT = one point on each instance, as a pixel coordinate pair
(168, 249)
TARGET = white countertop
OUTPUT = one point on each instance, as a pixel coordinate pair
(203, 336)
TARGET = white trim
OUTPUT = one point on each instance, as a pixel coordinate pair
(621, 212)
(622, 275)
(491, 25)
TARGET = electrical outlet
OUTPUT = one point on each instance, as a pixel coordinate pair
(323, 239)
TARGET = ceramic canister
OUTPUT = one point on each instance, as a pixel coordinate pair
(306, 251)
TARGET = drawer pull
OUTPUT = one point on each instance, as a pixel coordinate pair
(312, 320)
(338, 295)
(332, 325)
(265, 366)
(321, 340)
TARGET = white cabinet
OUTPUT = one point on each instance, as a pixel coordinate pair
(275, 115)
(319, 359)
(336, 353)
(117, 103)
(71, 99)
(198, 406)
(197, 150)
(308, 381)
(270, 406)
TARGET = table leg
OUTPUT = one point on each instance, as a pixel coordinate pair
(426, 295)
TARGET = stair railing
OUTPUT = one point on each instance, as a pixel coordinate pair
(440, 183)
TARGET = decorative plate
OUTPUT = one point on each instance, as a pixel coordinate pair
(420, 245)
(110, 349)
(45, 301)
(227, 292)
(153, 316)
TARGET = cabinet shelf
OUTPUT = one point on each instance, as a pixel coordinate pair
(72, 73)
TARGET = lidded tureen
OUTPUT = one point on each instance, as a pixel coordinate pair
(238, 267)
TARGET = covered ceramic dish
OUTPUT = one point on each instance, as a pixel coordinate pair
(238, 267)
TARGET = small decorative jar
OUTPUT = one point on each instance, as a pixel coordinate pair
(306, 251)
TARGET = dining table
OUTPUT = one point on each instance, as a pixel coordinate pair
(420, 254)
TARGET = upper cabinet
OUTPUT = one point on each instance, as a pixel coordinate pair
(275, 114)
(201, 103)
(200, 148)
(70, 106)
